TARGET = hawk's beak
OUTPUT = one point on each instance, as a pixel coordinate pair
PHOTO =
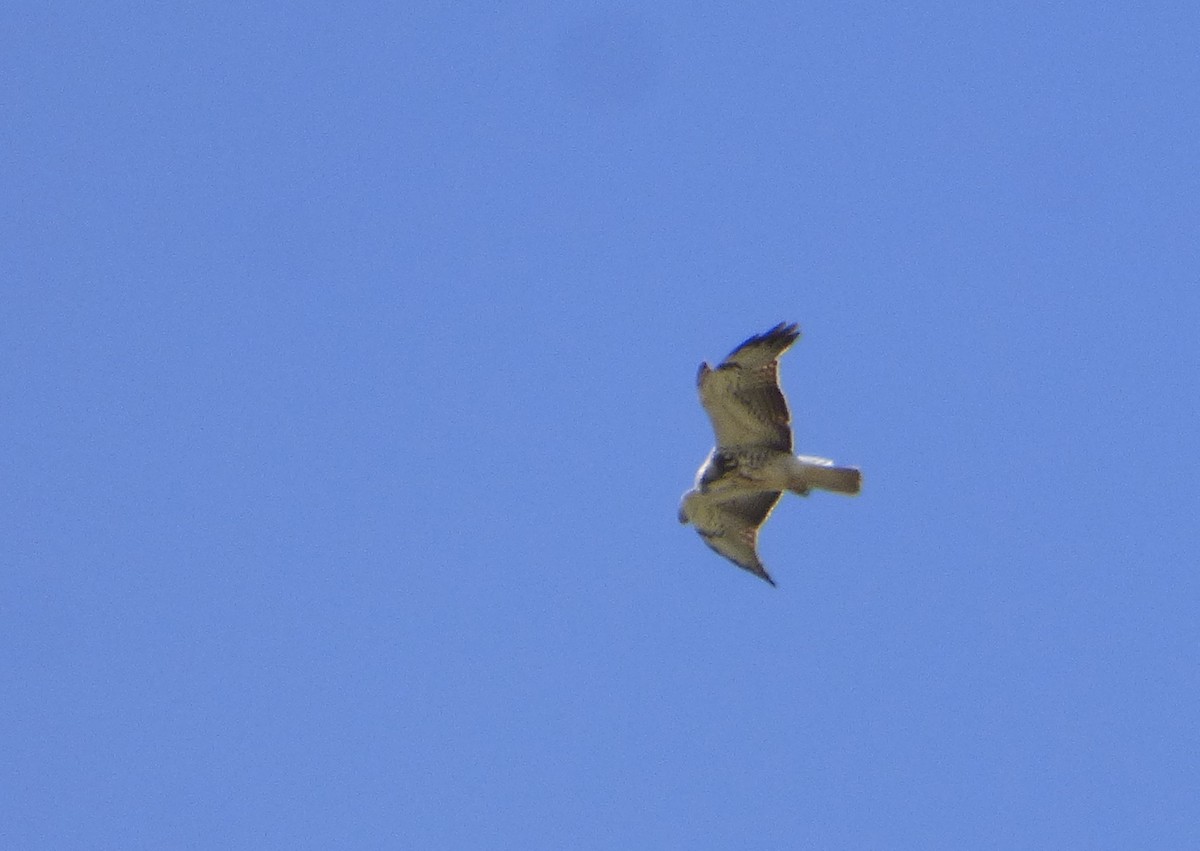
(683, 518)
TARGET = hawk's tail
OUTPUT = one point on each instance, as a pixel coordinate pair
(821, 474)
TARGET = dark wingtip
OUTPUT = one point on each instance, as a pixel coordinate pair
(761, 573)
(784, 333)
(791, 330)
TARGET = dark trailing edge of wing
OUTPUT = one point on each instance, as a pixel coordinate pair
(754, 567)
(754, 508)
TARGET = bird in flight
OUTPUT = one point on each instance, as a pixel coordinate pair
(752, 464)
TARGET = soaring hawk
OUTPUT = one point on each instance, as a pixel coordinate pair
(744, 476)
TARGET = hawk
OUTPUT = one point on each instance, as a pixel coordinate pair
(752, 464)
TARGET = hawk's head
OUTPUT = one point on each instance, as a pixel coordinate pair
(684, 515)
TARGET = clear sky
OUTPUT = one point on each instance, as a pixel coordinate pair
(347, 398)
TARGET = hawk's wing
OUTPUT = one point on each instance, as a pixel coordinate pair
(730, 526)
(742, 395)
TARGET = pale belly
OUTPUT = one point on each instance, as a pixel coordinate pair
(745, 473)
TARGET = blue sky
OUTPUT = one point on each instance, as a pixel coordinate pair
(348, 361)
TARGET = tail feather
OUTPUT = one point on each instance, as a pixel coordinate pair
(847, 480)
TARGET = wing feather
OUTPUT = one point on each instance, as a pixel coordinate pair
(742, 395)
(729, 525)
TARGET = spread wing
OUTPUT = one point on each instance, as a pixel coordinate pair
(730, 526)
(742, 395)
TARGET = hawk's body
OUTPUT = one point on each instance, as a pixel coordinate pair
(752, 464)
